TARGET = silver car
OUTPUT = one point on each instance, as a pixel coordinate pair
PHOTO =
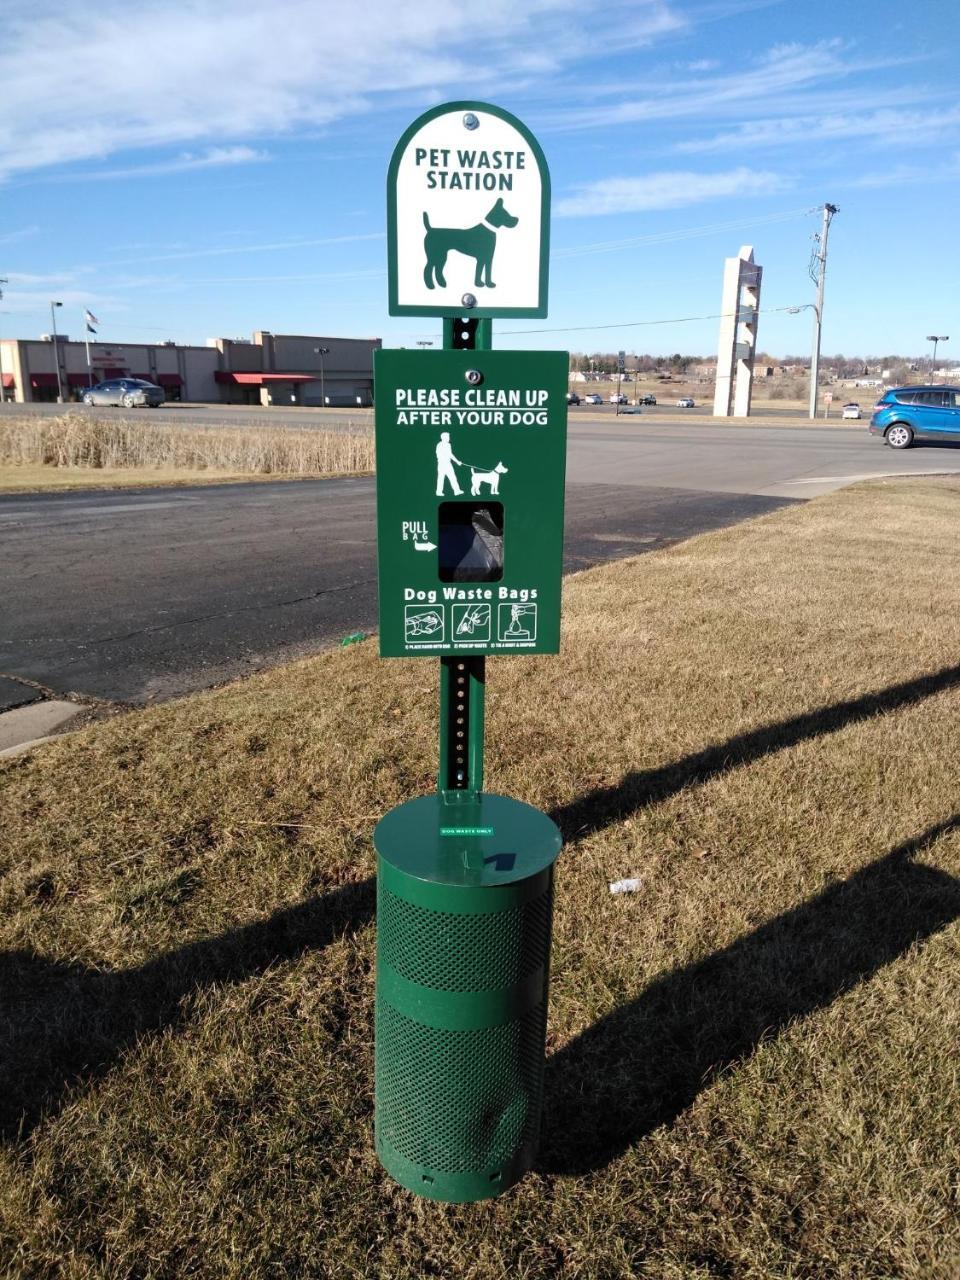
(129, 392)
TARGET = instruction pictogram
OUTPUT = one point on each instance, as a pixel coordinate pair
(517, 622)
(471, 622)
(423, 622)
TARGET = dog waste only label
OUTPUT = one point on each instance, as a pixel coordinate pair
(470, 478)
(468, 205)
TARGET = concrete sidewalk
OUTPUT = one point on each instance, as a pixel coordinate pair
(30, 725)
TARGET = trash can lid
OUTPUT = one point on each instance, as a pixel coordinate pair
(491, 840)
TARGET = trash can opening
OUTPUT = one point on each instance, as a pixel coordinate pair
(471, 541)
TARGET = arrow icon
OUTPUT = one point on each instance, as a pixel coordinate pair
(424, 546)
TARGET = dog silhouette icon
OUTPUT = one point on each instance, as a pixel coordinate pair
(478, 242)
(491, 478)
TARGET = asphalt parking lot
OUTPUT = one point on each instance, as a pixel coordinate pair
(132, 595)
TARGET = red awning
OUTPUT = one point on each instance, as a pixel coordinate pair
(8, 383)
(43, 380)
(169, 380)
(113, 372)
(258, 379)
(78, 379)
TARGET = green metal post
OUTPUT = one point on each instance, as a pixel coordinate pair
(467, 334)
(462, 679)
(461, 727)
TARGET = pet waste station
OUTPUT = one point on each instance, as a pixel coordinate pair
(471, 449)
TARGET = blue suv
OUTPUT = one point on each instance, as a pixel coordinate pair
(906, 412)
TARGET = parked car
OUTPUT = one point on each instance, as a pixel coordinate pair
(647, 399)
(851, 410)
(617, 397)
(129, 392)
(593, 398)
(903, 413)
(572, 398)
(686, 403)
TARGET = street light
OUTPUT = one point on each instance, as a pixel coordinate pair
(935, 338)
(56, 349)
(814, 365)
(3, 394)
(321, 352)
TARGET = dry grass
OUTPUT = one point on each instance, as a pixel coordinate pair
(78, 440)
(752, 1062)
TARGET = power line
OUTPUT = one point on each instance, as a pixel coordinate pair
(636, 324)
(684, 233)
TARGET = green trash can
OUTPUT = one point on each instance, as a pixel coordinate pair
(464, 914)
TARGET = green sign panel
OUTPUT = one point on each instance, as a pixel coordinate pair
(468, 216)
(471, 457)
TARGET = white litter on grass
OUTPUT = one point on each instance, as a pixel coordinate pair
(625, 886)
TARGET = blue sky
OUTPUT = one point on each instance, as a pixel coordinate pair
(189, 169)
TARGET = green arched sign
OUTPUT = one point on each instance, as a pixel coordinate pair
(468, 216)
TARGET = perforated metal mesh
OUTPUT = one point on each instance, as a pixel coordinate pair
(450, 952)
(477, 1094)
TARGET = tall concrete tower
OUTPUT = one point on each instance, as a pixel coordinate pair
(738, 335)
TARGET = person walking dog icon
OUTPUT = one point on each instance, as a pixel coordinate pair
(445, 461)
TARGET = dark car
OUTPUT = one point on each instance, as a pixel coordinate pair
(903, 413)
(572, 398)
(129, 392)
(647, 399)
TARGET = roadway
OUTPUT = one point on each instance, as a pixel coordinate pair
(193, 414)
(130, 596)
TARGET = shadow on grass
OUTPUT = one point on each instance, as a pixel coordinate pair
(608, 805)
(646, 1062)
(63, 1024)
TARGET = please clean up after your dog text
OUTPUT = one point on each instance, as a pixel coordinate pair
(471, 407)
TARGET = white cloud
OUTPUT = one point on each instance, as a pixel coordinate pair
(54, 279)
(74, 300)
(81, 83)
(188, 162)
(886, 125)
(770, 82)
(262, 246)
(904, 174)
(665, 191)
(23, 233)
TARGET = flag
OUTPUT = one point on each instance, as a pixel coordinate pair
(91, 320)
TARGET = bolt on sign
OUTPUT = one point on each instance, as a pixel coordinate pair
(471, 453)
(468, 200)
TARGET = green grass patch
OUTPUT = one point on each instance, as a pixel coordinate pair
(752, 1065)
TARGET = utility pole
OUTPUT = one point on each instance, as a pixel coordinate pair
(818, 273)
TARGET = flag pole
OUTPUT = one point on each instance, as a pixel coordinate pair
(86, 343)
